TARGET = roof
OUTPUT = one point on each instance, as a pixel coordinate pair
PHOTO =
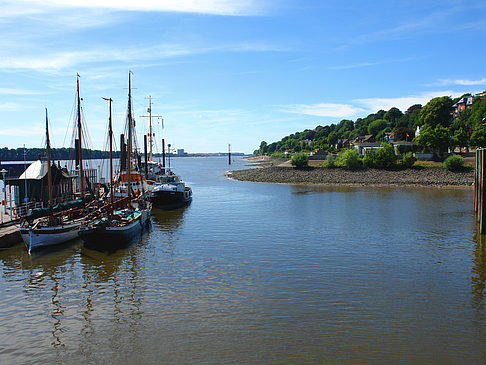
(36, 171)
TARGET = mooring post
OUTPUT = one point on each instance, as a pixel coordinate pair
(480, 186)
(476, 172)
(483, 188)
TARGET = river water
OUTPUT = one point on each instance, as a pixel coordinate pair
(260, 273)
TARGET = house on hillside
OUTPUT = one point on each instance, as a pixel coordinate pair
(465, 102)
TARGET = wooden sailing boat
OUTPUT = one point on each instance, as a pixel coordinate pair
(53, 225)
(117, 222)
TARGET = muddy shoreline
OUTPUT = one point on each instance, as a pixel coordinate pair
(272, 171)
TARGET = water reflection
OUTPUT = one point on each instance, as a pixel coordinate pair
(168, 223)
(112, 291)
(479, 271)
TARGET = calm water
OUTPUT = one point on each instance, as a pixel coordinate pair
(260, 273)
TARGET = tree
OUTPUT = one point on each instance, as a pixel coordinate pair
(332, 138)
(460, 139)
(377, 126)
(437, 112)
(437, 139)
(300, 160)
(263, 148)
(478, 136)
(393, 116)
(385, 156)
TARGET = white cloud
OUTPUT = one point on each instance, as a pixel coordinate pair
(462, 82)
(324, 110)
(215, 7)
(61, 60)
(369, 64)
(404, 102)
(7, 91)
(9, 106)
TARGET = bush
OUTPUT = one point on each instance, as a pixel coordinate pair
(369, 158)
(349, 159)
(385, 156)
(300, 160)
(330, 161)
(408, 159)
(454, 163)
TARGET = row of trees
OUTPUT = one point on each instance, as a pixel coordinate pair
(32, 154)
(439, 130)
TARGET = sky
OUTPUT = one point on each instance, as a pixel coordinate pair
(223, 72)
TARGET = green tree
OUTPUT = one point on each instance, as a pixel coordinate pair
(300, 160)
(385, 156)
(478, 136)
(393, 116)
(263, 148)
(377, 126)
(332, 138)
(437, 111)
(460, 139)
(437, 139)
(349, 159)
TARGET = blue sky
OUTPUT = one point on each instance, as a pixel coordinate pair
(229, 72)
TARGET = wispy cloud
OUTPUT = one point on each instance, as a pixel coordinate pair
(461, 82)
(7, 91)
(369, 64)
(15, 132)
(323, 110)
(404, 102)
(9, 106)
(214, 7)
(60, 60)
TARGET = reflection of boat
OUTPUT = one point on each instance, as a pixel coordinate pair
(55, 224)
(117, 222)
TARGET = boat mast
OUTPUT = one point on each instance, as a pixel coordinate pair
(150, 127)
(81, 174)
(110, 135)
(129, 135)
(48, 147)
(49, 174)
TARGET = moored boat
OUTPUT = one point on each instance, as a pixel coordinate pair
(53, 225)
(170, 192)
(117, 222)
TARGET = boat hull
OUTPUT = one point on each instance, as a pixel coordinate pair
(114, 236)
(169, 200)
(49, 236)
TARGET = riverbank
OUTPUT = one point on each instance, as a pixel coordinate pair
(277, 172)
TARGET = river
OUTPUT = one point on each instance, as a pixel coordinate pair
(260, 273)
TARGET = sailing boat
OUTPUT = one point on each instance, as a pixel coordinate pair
(55, 224)
(117, 222)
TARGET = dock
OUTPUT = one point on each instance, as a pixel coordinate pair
(9, 229)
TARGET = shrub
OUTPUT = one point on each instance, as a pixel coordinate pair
(300, 160)
(408, 159)
(330, 161)
(349, 159)
(385, 156)
(454, 163)
(369, 158)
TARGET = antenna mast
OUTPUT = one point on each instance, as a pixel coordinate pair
(151, 135)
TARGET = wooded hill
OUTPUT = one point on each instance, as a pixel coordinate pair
(440, 127)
